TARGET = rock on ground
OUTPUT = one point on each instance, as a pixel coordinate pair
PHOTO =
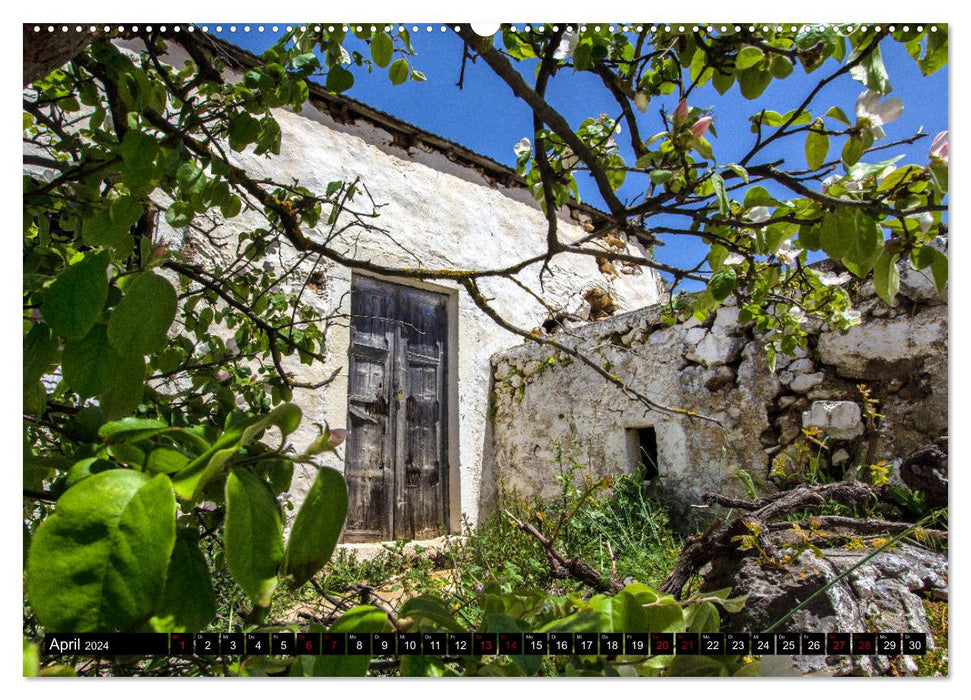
(883, 595)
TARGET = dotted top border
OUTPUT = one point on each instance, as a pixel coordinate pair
(844, 29)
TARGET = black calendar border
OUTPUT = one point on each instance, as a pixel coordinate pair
(437, 643)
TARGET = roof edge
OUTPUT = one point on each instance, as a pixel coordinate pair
(404, 134)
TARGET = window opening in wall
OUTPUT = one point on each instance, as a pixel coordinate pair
(643, 452)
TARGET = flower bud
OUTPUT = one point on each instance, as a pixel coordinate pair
(337, 436)
(939, 148)
(641, 100)
(681, 111)
(700, 127)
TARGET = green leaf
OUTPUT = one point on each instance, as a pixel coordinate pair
(189, 482)
(696, 666)
(138, 150)
(98, 563)
(781, 67)
(422, 666)
(935, 57)
(131, 429)
(74, 300)
(125, 212)
(316, 529)
(871, 71)
(938, 169)
(717, 256)
(865, 246)
(123, 390)
(191, 178)
(839, 115)
(179, 214)
(663, 612)
(583, 56)
(253, 535)
(724, 206)
(243, 130)
(165, 460)
(659, 177)
(89, 364)
(748, 57)
(722, 283)
(738, 170)
(188, 603)
(399, 71)
(886, 277)
(140, 323)
(31, 660)
(231, 207)
(753, 81)
(929, 256)
(758, 196)
(430, 609)
(837, 231)
(381, 49)
(702, 617)
(864, 170)
(852, 150)
(723, 81)
(339, 79)
(40, 352)
(101, 230)
(622, 612)
(817, 146)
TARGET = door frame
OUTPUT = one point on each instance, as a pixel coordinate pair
(453, 492)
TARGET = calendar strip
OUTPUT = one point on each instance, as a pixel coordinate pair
(457, 644)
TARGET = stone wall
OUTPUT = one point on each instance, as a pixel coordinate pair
(550, 410)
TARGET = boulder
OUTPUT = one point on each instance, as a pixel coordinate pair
(884, 594)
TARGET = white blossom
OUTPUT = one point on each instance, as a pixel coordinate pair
(787, 253)
(568, 44)
(759, 214)
(734, 259)
(521, 147)
(852, 316)
(829, 279)
(874, 114)
(797, 314)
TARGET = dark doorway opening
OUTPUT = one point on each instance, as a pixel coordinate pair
(642, 449)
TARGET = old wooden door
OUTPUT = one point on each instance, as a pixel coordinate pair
(397, 467)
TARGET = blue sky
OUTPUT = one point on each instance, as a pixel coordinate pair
(487, 118)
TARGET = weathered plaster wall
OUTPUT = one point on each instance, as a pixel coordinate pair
(545, 403)
(434, 214)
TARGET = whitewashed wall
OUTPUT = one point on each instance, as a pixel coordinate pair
(445, 215)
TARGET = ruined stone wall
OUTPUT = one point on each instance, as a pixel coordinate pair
(550, 410)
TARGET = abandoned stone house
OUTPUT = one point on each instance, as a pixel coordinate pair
(443, 405)
(410, 361)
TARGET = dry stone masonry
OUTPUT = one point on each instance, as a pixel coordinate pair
(549, 410)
